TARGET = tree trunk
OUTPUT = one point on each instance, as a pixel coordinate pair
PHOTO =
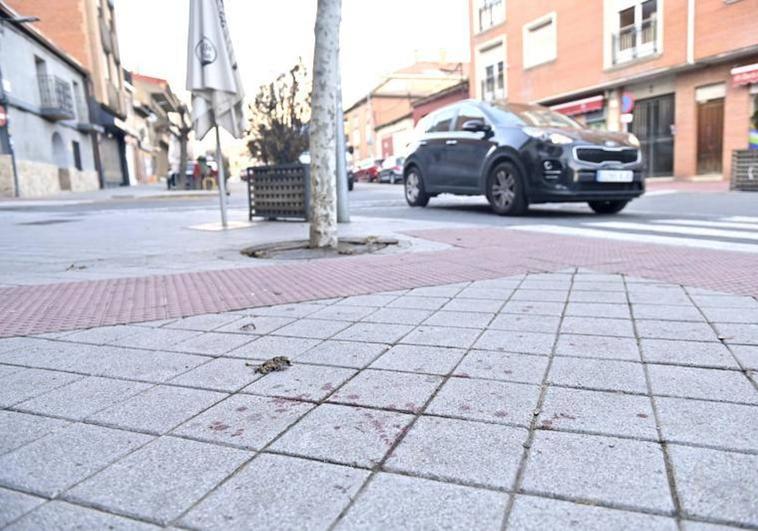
(323, 125)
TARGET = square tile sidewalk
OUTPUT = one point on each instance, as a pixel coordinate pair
(527, 400)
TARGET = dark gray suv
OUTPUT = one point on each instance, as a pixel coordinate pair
(516, 155)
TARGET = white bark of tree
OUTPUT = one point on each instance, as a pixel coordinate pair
(323, 125)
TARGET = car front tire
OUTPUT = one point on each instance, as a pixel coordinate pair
(505, 190)
(607, 207)
(415, 194)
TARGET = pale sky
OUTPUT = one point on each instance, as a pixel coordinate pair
(378, 36)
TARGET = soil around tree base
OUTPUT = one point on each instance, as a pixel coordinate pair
(301, 250)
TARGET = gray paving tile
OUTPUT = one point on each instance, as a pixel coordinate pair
(632, 474)
(709, 384)
(546, 295)
(158, 410)
(150, 366)
(699, 353)
(514, 367)
(688, 525)
(18, 429)
(220, 374)
(374, 332)
(598, 412)
(501, 402)
(460, 319)
(530, 282)
(598, 309)
(213, 343)
(597, 326)
(155, 338)
(15, 505)
(283, 310)
(461, 304)
(418, 303)
(82, 398)
(416, 358)
(716, 484)
(525, 323)
(258, 325)
(65, 516)
(312, 328)
(7, 370)
(375, 300)
(302, 382)
(580, 285)
(446, 290)
(738, 333)
(398, 502)
(499, 294)
(343, 353)
(511, 341)
(344, 434)
(402, 316)
(160, 481)
(554, 309)
(659, 296)
(747, 355)
(667, 312)
(618, 348)
(607, 297)
(205, 322)
(460, 451)
(675, 330)
(269, 346)
(244, 421)
(605, 375)
(725, 301)
(104, 334)
(398, 391)
(28, 383)
(343, 313)
(52, 464)
(731, 315)
(532, 513)
(442, 336)
(276, 492)
(702, 422)
(499, 283)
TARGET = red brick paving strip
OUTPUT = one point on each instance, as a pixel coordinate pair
(477, 254)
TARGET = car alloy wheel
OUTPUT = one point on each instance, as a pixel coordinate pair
(503, 189)
(412, 187)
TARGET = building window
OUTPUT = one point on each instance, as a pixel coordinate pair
(77, 155)
(490, 13)
(635, 30)
(491, 72)
(540, 39)
(368, 134)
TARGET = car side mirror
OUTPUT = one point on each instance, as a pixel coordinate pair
(476, 126)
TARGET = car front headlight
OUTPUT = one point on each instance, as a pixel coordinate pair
(633, 140)
(553, 138)
(558, 138)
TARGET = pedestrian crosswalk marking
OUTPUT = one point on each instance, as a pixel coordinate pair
(673, 229)
(725, 234)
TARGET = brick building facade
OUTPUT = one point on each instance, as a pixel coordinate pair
(86, 29)
(680, 74)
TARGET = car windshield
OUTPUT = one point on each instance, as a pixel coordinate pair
(537, 116)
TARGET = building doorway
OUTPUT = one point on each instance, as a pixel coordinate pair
(710, 136)
(652, 124)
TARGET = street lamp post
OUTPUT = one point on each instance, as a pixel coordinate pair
(6, 145)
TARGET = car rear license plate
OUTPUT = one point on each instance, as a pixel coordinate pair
(615, 176)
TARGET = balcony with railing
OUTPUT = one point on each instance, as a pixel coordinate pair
(635, 41)
(56, 98)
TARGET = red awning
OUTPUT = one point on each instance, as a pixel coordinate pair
(595, 103)
(745, 75)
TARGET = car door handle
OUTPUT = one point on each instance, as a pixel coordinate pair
(451, 142)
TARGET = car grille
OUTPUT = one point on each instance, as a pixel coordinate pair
(599, 155)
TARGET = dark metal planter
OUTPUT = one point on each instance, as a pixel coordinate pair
(280, 191)
(745, 170)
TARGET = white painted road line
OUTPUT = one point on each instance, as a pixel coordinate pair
(672, 229)
(562, 230)
(714, 224)
(742, 219)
